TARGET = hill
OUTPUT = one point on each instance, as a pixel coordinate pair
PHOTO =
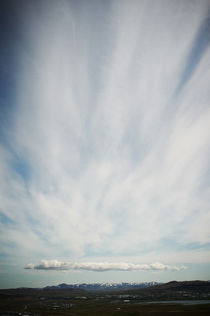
(198, 286)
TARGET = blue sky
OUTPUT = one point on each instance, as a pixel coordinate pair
(104, 145)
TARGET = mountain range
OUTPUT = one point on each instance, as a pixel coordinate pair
(103, 286)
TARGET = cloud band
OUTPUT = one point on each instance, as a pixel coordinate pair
(101, 266)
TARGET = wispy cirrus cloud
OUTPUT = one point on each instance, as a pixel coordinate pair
(101, 266)
(99, 157)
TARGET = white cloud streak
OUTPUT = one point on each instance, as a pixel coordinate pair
(102, 266)
(116, 164)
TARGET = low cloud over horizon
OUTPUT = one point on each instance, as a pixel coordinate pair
(101, 266)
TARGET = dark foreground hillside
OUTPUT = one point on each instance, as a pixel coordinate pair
(173, 298)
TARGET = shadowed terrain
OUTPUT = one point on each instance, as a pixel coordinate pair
(176, 298)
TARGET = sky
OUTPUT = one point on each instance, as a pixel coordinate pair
(104, 141)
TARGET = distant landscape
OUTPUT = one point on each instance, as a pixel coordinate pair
(147, 298)
(103, 286)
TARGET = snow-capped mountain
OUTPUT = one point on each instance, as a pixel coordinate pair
(103, 286)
